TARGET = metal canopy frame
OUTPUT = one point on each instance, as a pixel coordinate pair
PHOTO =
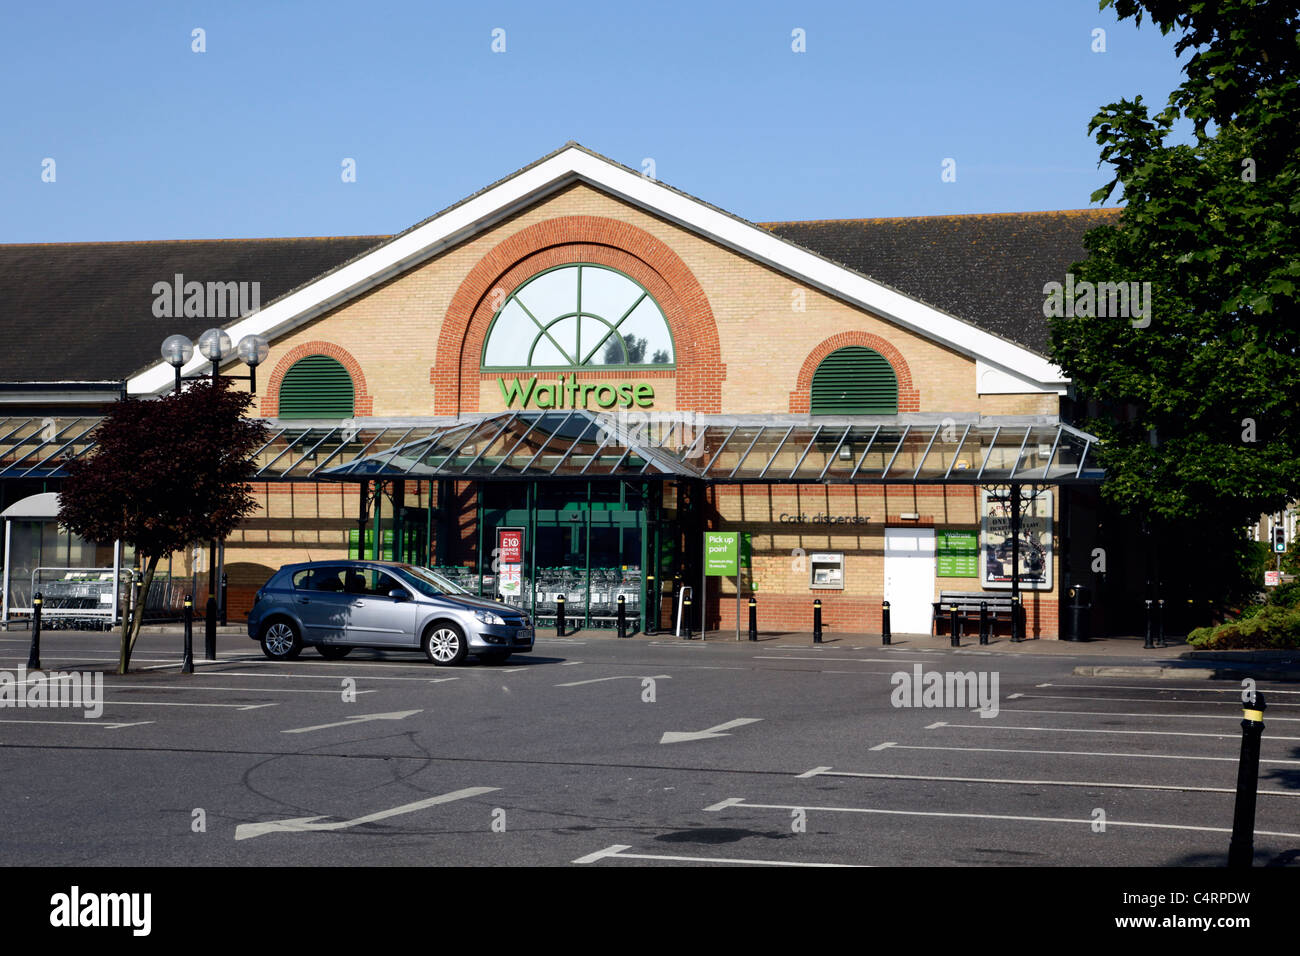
(721, 449)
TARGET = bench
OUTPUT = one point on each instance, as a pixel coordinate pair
(968, 607)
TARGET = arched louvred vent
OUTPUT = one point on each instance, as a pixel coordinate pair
(317, 387)
(855, 381)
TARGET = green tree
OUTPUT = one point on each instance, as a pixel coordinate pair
(1197, 404)
(164, 474)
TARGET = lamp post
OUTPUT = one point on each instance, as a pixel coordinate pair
(215, 345)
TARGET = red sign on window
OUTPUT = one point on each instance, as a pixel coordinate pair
(510, 545)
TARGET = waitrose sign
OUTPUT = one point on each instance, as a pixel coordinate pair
(568, 392)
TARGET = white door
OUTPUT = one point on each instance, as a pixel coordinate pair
(909, 579)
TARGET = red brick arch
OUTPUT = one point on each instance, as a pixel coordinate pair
(909, 398)
(554, 242)
(363, 401)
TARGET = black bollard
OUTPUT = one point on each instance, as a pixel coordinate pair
(1150, 640)
(652, 612)
(224, 592)
(34, 655)
(686, 618)
(954, 627)
(984, 622)
(559, 615)
(622, 616)
(817, 621)
(210, 629)
(1016, 633)
(884, 622)
(753, 619)
(1160, 623)
(187, 662)
(1241, 848)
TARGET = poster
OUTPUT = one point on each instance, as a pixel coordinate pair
(1035, 540)
(510, 564)
(957, 553)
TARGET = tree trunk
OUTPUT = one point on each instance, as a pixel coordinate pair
(131, 629)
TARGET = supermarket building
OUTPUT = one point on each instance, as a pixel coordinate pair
(559, 384)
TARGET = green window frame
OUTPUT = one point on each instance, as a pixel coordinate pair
(854, 380)
(317, 386)
(582, 335)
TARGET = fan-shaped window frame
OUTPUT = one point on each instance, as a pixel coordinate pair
(544, 323)
(288, 385)
(874, 407)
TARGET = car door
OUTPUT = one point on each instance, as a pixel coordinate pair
(321, 604)
(375, 618)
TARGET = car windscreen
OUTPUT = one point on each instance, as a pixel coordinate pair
(444, 585)
(426, 585)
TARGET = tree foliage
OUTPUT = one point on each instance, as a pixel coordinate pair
(164, 474)
(1199, 408)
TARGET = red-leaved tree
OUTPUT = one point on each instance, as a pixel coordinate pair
(164, 475)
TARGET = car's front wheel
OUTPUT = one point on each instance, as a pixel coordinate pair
(281, 640)
(445, 644)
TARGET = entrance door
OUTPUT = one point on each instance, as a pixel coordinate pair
(909, 578)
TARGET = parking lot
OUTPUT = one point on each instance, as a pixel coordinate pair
(605, 753)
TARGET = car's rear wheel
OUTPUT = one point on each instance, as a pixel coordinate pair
(281, 640)
(494, 657)
(333, 652)
(445, 644)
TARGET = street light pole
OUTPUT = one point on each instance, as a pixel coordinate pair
(215, 345)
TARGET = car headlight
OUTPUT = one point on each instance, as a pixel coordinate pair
(487, 617)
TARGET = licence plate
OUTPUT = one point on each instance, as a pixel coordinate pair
(524, 634)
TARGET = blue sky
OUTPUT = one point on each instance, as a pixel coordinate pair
(154, 141)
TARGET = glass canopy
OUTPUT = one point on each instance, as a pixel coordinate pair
(777, 449)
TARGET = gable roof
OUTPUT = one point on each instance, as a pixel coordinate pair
(573, 163)
(84, 310)
(987, 269)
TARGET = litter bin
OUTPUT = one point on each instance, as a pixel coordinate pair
(1080, 613)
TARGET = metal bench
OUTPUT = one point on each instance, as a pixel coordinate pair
(968, 607)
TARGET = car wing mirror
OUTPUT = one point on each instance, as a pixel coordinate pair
(397, 594)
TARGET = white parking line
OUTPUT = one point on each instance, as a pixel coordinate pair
(618, 851)
(246, 831)
(597, 680)
(336, 676)
(1199, 690)
(1142, 700)
(176, 703)
(1117, 713)
(819, 657)
(1073, 753)
(1087, 821)
(251, 690)
(1086, 730)
(828, 772)
(88, 722)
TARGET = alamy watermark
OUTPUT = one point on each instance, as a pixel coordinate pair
(68, 689)
(1121, 300)
(205, 300)
(956, 689)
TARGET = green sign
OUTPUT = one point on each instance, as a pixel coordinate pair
(568, 392)
(958, 553)
(720, 552)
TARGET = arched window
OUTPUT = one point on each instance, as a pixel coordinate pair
(579, 316)
(855, 381)
(317, 386)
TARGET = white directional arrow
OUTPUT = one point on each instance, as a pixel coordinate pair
(246, 831)
(680, 736)
(352, 721)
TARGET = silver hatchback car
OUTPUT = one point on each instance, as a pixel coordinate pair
(338, 605)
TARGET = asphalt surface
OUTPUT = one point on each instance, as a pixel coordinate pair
(560, 757)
